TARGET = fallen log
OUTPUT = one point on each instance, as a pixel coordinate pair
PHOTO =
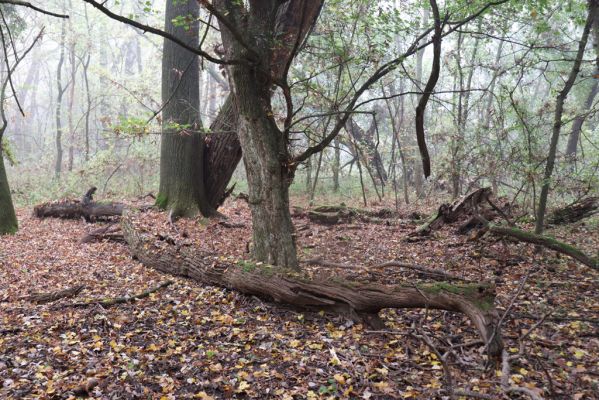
(576, 211)
(43, 298)
(331, 215)
(75, 209)
(361, 302)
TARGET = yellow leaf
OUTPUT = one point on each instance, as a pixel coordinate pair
(294, 343)
(203, 395)
(579, 353)
(339, 378)
(242, 387)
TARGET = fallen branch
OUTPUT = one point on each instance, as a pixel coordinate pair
(42, 298)
(111, 232)
(362, 302)
(108, 302)
(545, 241)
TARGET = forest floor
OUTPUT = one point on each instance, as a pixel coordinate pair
(192, 341)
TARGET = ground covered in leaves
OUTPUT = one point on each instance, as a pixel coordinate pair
(189, 341)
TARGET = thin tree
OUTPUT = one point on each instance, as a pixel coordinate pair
(559, 111)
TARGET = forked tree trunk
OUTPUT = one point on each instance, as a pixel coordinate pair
(361, 302)
(223, 150)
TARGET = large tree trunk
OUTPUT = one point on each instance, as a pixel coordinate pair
(265, 157)
(181, 151)
(360, 301)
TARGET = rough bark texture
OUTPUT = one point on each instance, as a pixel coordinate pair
(181, 151)
(8, 218)
(223, 151)
(359, 301)
(75, 209)
(265, 147)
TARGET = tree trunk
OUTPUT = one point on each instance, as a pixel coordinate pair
(8, 218)
(557, 123)
(182, 146)
(58, 110)
(222, 153)
(223, 150)
(265, 157)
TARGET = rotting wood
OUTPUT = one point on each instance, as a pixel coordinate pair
(361, 302)
(576, 211)
(75, 209)
(450, 213)
(43, 298)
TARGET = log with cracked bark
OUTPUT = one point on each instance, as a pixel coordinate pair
(361, 302)
(75, 209)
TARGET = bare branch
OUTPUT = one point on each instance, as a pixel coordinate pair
(29, 5)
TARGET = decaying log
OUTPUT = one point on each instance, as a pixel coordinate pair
(108, 302)
(330, 215)
(111, 232)
(450, 213)
(75, 209)
(43, 298)
(360, 301)
(576, 211)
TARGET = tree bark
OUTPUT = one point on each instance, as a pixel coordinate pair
(223, 152)
(8, 218)
(557, 123)
(362, 302)
(58, 110)
(74, 209)
(574, 137)
(182, 145)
